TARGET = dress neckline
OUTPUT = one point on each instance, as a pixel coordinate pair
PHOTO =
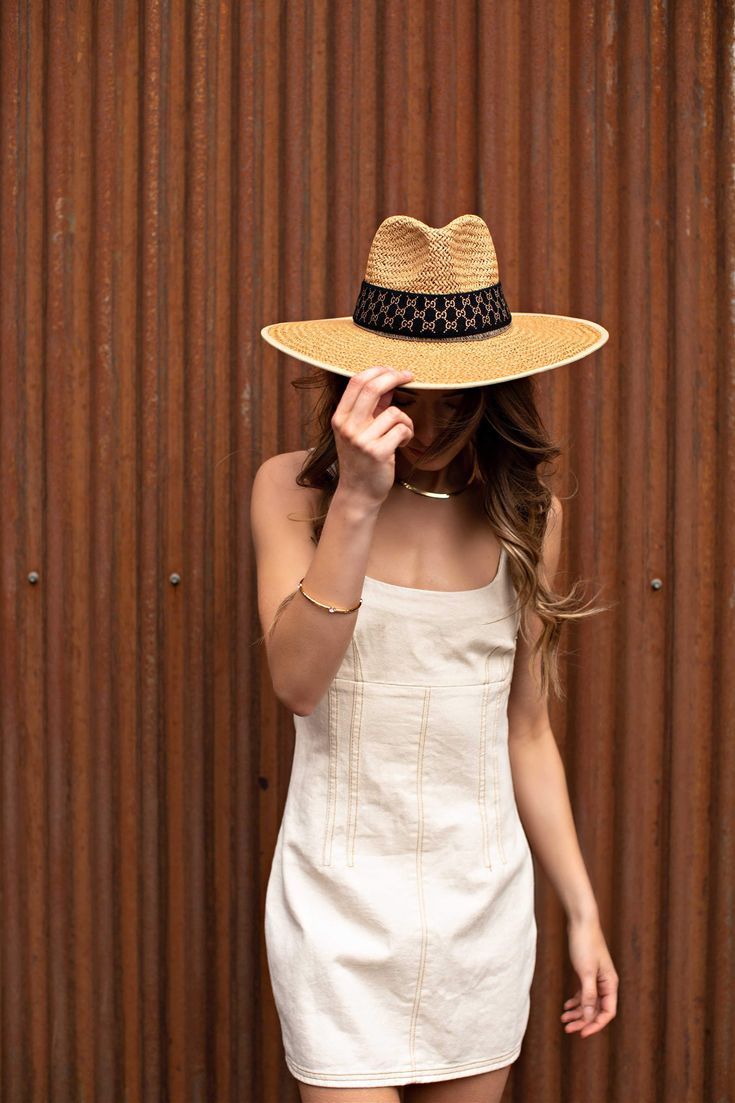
(449, 593)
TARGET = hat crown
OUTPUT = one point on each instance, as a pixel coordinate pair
(408, 255)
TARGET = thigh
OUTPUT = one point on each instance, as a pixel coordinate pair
(310, 1093)
(487, 1087)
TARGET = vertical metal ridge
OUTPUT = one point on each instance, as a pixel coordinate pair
(693, 593)
(719, 1061)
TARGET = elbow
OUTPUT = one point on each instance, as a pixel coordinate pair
(295, 688)
(300, 710)
(294, 704)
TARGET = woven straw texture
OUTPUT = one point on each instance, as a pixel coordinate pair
(406, 255)
(411, 256)
(532, 343)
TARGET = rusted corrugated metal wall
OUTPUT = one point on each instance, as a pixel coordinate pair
(175, 176)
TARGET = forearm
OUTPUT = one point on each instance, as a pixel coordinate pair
(307, 643)
(542, 797)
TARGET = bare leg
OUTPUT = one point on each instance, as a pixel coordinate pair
(487, 1087)
(310, 1093)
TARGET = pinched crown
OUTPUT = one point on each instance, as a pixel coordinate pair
(408, 255)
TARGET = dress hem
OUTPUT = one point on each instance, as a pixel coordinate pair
(406, 1076)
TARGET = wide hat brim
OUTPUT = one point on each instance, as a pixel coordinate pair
(532, 343)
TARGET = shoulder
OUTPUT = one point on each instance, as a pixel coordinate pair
(280, 472)
(275, 490)
(284, 462)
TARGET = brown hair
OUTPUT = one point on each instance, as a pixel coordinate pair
(510, 445)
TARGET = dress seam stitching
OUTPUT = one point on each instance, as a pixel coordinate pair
(483, 767)
(418, 685)
(419, 875)
(354, 756)
(403, 1072)
(496, 786)
(333, 730)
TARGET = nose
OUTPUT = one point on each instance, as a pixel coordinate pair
(427, 425)
(424, 434)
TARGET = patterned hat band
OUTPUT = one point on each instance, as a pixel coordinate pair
(459, 317)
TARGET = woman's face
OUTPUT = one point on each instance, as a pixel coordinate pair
(430, 411)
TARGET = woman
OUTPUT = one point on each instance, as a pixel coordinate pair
(399, 924)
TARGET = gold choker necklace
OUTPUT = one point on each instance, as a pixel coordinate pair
(436, 493)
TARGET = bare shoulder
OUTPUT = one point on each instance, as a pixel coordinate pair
(281, 528)
(282, 469)
(277, 475)
(277, 499)
(528, 709)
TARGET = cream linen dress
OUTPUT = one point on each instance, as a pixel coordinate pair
(399, 913)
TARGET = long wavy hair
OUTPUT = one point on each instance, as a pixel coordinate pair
(512, 455)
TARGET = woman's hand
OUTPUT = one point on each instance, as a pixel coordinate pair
(368, 430)
(594, 1004)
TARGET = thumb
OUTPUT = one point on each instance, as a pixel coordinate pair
(589, 996)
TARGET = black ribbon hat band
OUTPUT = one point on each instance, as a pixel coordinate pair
(460, 316)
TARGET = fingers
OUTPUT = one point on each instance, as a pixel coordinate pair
(585, 1001)
(574, 1021)
(365, 390)
(387, 420)
(351, 391)
(395, 438)
(574, 1018)
(584, 1029)
(589, 996)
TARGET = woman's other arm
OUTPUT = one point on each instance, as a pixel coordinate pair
(539, 778)
(542, 797)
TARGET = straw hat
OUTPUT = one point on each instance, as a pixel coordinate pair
(431, 300)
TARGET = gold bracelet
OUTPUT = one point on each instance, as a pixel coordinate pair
(331, 608)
